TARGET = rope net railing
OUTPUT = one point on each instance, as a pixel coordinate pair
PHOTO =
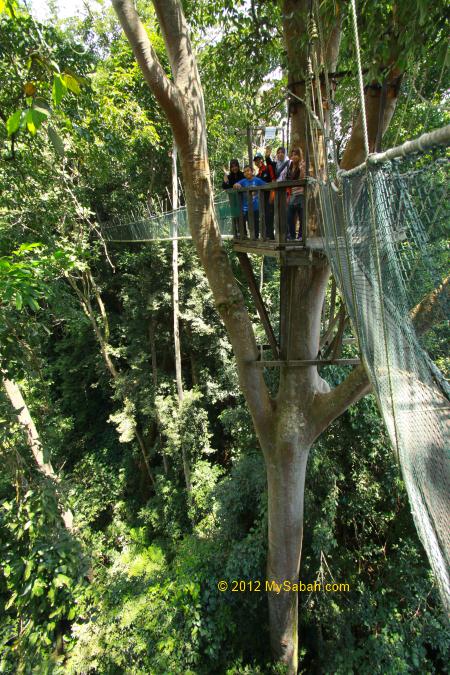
(385, 232)
(143, 225)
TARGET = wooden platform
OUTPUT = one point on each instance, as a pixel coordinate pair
(291, 252)
(277, 363)
(296, 250)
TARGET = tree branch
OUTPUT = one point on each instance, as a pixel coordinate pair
(26, 421)
(327, 407)
(188, 124)
(429, 309)
(165, 91)
(333, 43)
(354, 153)
(176, 36)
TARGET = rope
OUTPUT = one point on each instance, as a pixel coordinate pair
(313, 115)
(421, 144)
(360, 79)
(383, 314)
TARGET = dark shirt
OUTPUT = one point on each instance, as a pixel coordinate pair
(232, 179)
(268, 160)
(293, 173)
(266, 173)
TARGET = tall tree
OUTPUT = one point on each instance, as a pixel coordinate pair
(287, 424)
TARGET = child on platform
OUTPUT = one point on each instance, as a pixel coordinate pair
(249, 181)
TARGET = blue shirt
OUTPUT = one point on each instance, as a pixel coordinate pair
(250, 183)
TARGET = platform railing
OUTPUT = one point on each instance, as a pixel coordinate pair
(269, 222)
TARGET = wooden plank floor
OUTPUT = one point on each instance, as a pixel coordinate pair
(271, 247)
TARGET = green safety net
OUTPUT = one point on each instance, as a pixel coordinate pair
(146, 226)
(385, 234)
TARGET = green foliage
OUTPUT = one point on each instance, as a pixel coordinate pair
(24, 274)
(184, 425)
(36, 72)
(359, 531)
(205, 477)
(41, 583)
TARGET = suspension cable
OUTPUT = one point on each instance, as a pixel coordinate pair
(360, 79)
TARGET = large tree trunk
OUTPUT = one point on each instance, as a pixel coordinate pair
(379, 112)
(303, 291)
(286, 484)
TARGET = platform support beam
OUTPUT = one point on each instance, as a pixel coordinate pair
(259, 303)
(283, 307)
(306, 363)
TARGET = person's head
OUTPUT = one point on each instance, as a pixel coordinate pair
(281, 153)
(258, 159)
(296, 155)
(248, 171)
(234, 166)
(268, 150)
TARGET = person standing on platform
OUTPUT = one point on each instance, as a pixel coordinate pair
(235, 175)
(265, 171)
(250, 181)
(281, 163)
(268, 157)
(295, 171)
(267, 174)
(229, 180)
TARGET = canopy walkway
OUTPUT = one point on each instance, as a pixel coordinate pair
(145, 226)
(384, 228)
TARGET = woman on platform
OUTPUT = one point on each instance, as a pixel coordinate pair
(235, 175)
(295, 171)
(229, 181)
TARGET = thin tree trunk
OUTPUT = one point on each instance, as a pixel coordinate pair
(27, 423)
(176, 315)
(88, 284)
(175, 294)
(151, 335)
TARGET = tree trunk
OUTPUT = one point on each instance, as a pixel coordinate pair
(286, 484)
(302, 294)
(354, 151)
(176, 316)
(151, 337)
(102, 335)
(27, 423)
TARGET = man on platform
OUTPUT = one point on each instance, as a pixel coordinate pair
(265, 171)
(267, 174)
